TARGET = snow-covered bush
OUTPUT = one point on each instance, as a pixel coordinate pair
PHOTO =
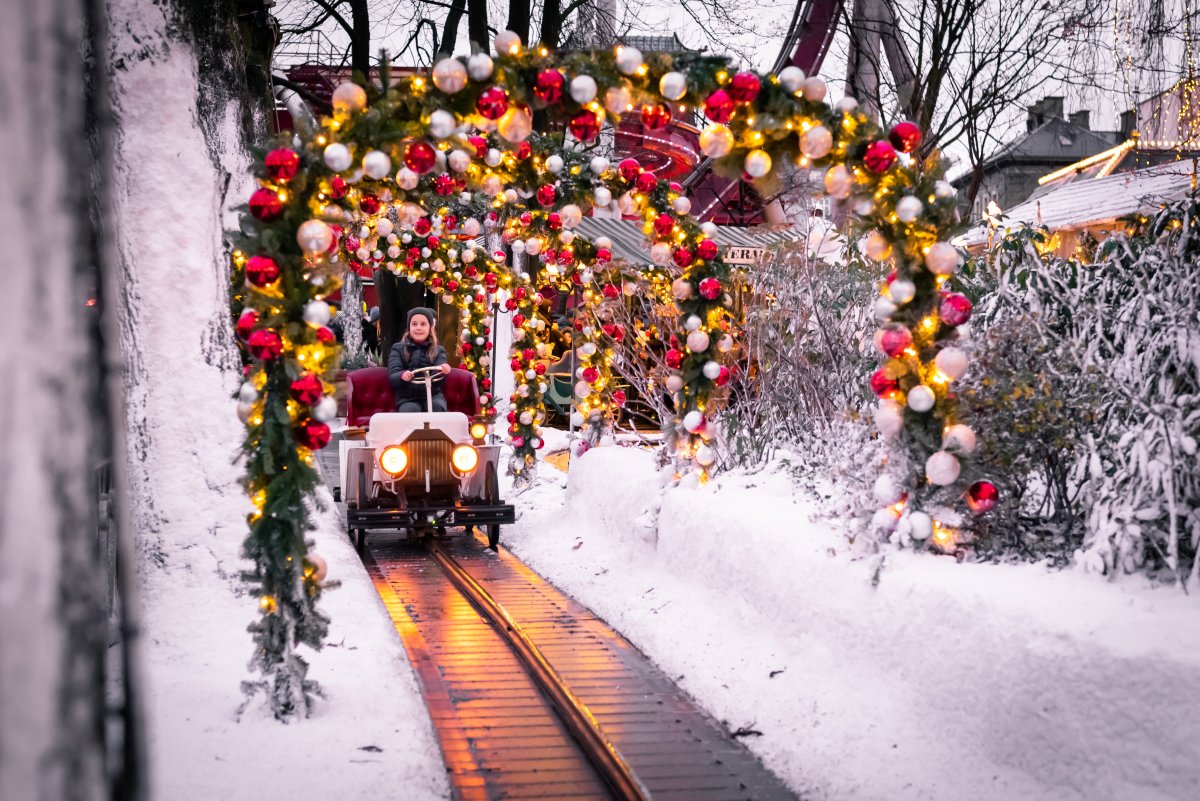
(1106, 360)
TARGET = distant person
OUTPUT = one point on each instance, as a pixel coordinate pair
(371, 329)
(416, 349)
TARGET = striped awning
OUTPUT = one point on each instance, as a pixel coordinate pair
(745, 245)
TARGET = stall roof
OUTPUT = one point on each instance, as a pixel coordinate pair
(1080, 204)
(629, 243)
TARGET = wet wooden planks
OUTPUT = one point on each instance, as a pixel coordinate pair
(501, 738)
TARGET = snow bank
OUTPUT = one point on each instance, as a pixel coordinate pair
(944, 681)
(189, 509)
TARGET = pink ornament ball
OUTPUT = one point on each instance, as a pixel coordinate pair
(893, 340)
(265, 345)
(955, 309)
(710, 288)
(744, 87)
(629, 169)
(982, 497)
(719, 107)
(879, 157)
(883, 386)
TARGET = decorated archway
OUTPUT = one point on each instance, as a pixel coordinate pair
(408, 175)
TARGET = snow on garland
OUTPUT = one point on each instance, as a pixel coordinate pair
(387, 179)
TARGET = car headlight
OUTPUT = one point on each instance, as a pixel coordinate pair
(393, 460)
(464, 458)
(478, 431)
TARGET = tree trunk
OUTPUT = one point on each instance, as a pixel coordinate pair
(352, 338)
(360, 38)
(55, 412)
(552, 21)
(518, 18)
(450, 29)
(477, 25)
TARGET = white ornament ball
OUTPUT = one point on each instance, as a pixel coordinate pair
(518, 246)
(583, 89)
(384, 227)
(902, 291)
(920, 525)
(618, 99)
(959, 438)
(555, 164)
(377, 164)
(705, 456)
(814, 89)
(877, 246)
(628, 204)
(884, 309)
(244, 410)
(493, 157)
(697, 341)
(792, 79)
(711, 370)
(516, 125)
(582, 389)
(725, 344)
(458, 160)
(884, 520)
(942, 258)
(709, 229)
(598, 165)
(314, 236)
(693, 421)
(864, 207)
(816, 142)
(449, 75)
(316, 312)
(493, 185)
(886, 490)
(942, 468)
(442, 123)
(952, 362)
(693, 323)
(660, 253)
(602, 196)
(407, 179)
(576, 419)
(944, 190)
(629, 59)
(325, 410)
(889, 418)
(909, 208)
(757, 163)
(681, 288)
(839, 182)
(681, 205)
(673, 85)
(921, 398)
(349, 97)
(507, 42)
(247, 393)
(526, 418)
(337, 157)
(479, 66)
(471, 228)
(847, 105)
(571, 215)
(716, 140)
(674, 382)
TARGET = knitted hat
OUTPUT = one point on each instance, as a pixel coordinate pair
(422, 310)
(373, 314)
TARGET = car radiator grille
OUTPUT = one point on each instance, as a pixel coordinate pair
(432, 455)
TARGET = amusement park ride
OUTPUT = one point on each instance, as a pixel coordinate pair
(673, 152)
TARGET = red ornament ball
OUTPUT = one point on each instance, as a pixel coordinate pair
(591, 375)
(369, 204)
(325, 335)
(955, 309)
(905, 137)
(282, 165)
(682, 257)
(546, 194)
(707, 249)
(603, 255)
(880, 156)
(444, 184)
(647, 183)
(710, 288)
(540, 368)
(312, 434)
(246, 323)
(433, 242)
(744, 87)
(479, 144)
(548, 86)
(619, 397)
(422, 226)
(524, 150)
(894, 340)
(262, 271)
(265, 204)
(492, 103)
(306, 389)
(611, 291)
(656, 116)
(881, 385)
(982, 497)
(420, 157)
(265, 344)
(338, 187)
(723, 376)
(554, 220)
(719, 106)
(585, 126)
(518, 320)
(629, 169)
(664, 226)
(674, 358)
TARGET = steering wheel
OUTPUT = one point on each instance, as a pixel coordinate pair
(427, 375)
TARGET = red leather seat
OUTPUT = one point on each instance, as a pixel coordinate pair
(368, 391)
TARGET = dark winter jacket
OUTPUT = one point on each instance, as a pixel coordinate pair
(408, 355)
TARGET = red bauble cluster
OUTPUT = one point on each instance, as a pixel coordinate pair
(548, 86)
(265, 344)
(282, 165)
(744, 87)
(611, 291)
(982, 497)
(905, 137)
(585, 126)
(306, 389)
(265, 204)
(656, 116)
(629, 170)
(664, 226)
(492, 103)
(262, 271)
(546, 194)
(955, 308)
(879, 157)
(646, 183)
(420, 156)
(710, 288)
(444, 184)
(707, 249)
(719, 106)
(312, 434)
(881, 385)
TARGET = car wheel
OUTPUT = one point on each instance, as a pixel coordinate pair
(491, 494)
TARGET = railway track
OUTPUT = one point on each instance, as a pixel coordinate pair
(533, 696)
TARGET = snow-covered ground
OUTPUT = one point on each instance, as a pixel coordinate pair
(945, 681)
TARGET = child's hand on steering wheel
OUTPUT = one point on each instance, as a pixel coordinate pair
(406, 375)
(445, 368)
